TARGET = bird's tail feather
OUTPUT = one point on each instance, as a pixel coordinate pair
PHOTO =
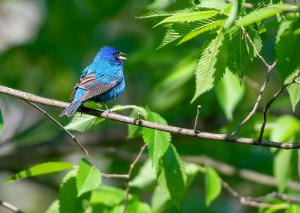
(71, 109)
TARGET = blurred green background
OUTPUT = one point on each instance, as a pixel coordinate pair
(44, 46)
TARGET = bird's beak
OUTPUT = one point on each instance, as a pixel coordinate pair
(121, 56)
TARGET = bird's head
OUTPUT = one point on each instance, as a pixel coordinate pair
(110, 53)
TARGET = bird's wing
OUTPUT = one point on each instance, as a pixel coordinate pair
(84, 80)
(95, 88)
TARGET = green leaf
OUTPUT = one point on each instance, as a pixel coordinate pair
(234, 12)
(160, 199)
(207, 67)
(107, 196)
(203, 28)
(53, 208)
(264, 13)
(213, 4)
(188, 16)
(176, 31)
(153, 13)
(284, 128)
(293, 208)
(67, 195)
(145, 177)
(229, 93)
(41, 169)
(171, 175)
(158, 141)
(282, 168)
(213, 185)
(287, 47)
(83, 122)
(191, 171)
(88, 178)
(293, 90)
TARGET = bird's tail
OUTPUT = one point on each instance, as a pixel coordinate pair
(71, 109)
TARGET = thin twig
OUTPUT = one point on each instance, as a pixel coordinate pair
(132, 165)
(10, 207)
(262, 88)
(124, 176)
(63, 128)
(280, 196)
(248, 201)
(152, 125)
(268, 105)
(196, 120)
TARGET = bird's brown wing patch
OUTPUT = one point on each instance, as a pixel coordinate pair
(95, 88)
(83, 82)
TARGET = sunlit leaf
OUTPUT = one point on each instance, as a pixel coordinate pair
(83, 122)
(53, 208)
(108, 196)
(264, 13)
(158, 141)
(213, 185)
(213, 4)
(287, 47)
(88, 178)
(67, 195)
(188, 16)
(282, 168)
(145, 177)
(294, 89)
(171, 176)
(41, 169)
(205, 27)
(229, 93)
(207, 66)
(284, 128)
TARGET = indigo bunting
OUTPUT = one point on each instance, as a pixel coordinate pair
(101, 81)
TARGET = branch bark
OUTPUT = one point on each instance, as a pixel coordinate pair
(151, 125)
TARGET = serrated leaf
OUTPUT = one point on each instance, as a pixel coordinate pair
(287, 47)
(229, 93)
(158, 141)
(207, 67)
(67, 195)
(153, 13)
(107, 196)
(176, 31)
(145, 177)
(171, 175)
(264, 13)
(41, 169)
(293, 90)
(284, 128)
(83, 122)
(213, 4)
(213, 185)
(282, 168)
(188, 16)
(88, 178)
(204, 28)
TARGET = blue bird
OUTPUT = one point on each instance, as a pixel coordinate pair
(101, 81)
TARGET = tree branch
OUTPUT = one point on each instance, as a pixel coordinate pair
(152, 125)
(275, 96)
(249, 201)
